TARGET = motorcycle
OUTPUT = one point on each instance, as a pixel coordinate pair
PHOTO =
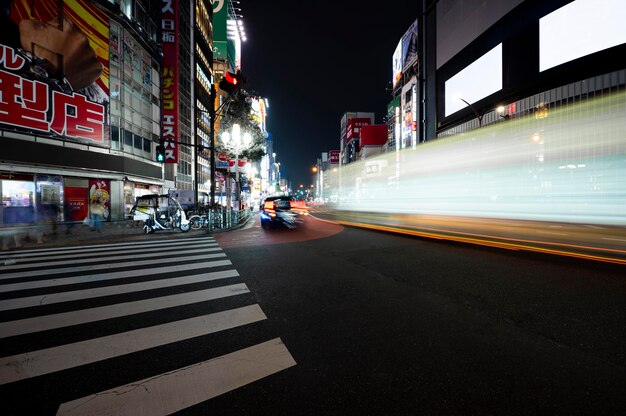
(160, 212)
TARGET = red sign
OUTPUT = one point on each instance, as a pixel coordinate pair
(70, 95)
(354, 127)
(76, 203)
(169, 80)
(29, 104)
(333, 157)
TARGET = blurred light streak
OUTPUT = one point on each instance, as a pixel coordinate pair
(489, 243)
(499, 171)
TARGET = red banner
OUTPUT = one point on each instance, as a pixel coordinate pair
(169, 45)
(76, 204)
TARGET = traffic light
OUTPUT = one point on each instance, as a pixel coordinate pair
(230, 82)
(160, 153)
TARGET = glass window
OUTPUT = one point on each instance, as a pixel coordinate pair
(147, 146)
(138, 141)
(128, 138)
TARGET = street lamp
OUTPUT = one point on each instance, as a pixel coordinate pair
(237, 142)
(479, 116)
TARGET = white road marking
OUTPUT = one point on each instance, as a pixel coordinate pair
(107, 266)
(49, 360)
(97, 292)
(128, 243)
(107, 251)
(60, 320)
(164, 394)
(614, 239)
(102, 247)
(89, 278)
(101, 259)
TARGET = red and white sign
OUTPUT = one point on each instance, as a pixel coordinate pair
(169, 80)
(333, 157)
(30, 104)
(354, 127)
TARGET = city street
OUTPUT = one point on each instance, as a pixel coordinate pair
(323, 319)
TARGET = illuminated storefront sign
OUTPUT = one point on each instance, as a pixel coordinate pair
(169, 42)
(54, 77)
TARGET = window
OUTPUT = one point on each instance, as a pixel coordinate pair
(128, 138)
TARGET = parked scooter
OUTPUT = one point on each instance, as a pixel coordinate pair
(160, 212)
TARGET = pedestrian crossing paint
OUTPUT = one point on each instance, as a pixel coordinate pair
(108, 266)
(51, 298)
(90, 278)
(99, 259)
(60, 320)
(85, 253)
(49, 360)
(176, 390)
(106, 248)
(162, 242)
(172, 264)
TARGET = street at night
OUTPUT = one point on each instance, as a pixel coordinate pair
(246, 207)
(338, 320)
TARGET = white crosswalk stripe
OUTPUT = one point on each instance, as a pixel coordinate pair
(127, 280)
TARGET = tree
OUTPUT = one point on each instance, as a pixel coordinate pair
(239, 111)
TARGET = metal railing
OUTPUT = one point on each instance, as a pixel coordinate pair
(218, 218)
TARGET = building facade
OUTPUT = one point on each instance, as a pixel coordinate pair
(79, 119)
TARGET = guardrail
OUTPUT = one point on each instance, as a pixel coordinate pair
(222, 218)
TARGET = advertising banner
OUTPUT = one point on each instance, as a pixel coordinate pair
(76, 203)
(354, 127)
(169, 79)
(100, 189)
(409, 47)
(396, 65)
(54, 69)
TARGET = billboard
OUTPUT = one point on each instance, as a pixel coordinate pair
(396, 68)
(409, 47)
(54, 69)
(333, 157)
(169, 79)
(560, 36)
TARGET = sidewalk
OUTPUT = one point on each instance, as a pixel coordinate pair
(112, 231)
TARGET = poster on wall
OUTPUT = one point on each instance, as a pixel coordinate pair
(54, 76)
(76, 203)
(100, 189)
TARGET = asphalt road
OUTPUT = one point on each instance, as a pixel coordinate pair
(338, 321)
(383, 324)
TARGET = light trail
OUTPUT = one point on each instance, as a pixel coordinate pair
(569, 166)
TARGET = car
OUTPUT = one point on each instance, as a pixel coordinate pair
(276, 212)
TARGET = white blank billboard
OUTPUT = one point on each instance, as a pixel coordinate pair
(580, 28)
(481, 78)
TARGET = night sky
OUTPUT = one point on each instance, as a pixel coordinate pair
(315, 61)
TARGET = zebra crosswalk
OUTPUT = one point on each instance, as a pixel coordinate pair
(111, 311)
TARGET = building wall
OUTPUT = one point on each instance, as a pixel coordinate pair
(67, 161)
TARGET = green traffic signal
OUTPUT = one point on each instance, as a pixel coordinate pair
(160, 153)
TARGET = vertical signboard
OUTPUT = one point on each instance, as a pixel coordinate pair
(169, 88)
(54, 75)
